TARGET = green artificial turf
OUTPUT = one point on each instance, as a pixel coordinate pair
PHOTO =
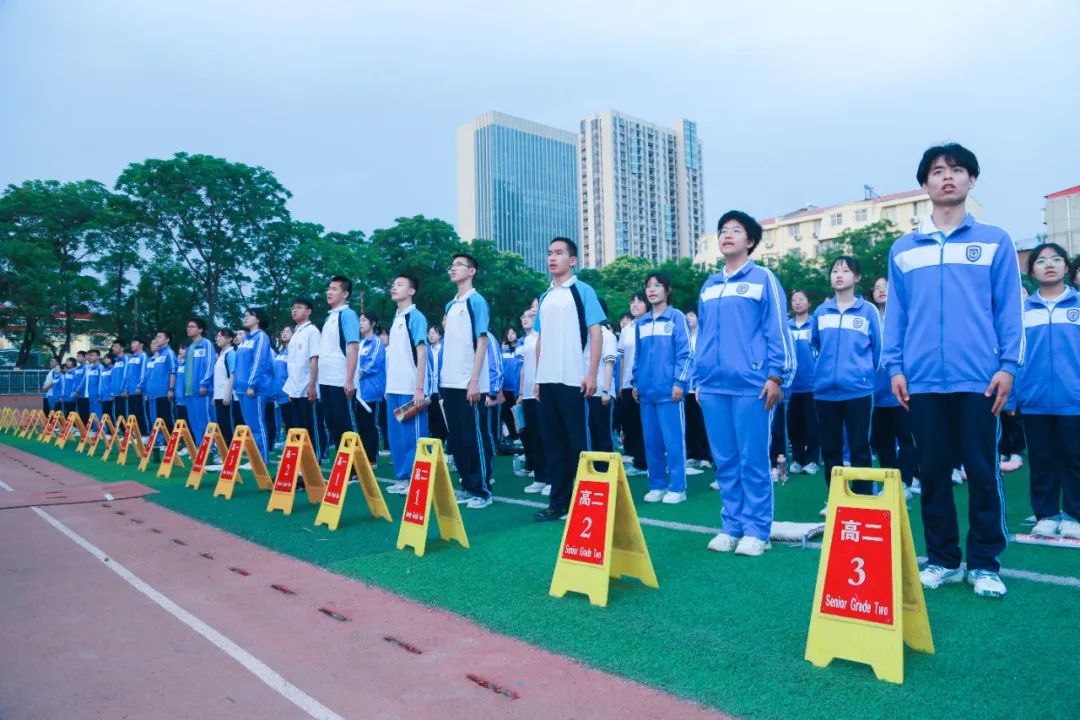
(728, 632)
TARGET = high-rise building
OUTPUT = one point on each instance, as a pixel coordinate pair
(517, 185)
(1062, 218)
(642, 189)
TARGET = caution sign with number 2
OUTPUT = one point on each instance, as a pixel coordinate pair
(587, 524)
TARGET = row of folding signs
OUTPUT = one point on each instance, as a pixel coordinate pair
(868, 601)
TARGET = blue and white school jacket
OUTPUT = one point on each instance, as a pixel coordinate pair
(199, 361)
(105, 383)
(281, 375)
(803, 381)
(511, 362)
(495, 365)
(743, 336)
(254, 365)
(954, 315)
(662, 356)
(1049, 382)
(370, 375)
(848, 346)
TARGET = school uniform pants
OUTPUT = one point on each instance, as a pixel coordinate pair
(535, 457)
(305, 414)
(565, 434)
(436, 421)
(404, 435)
(1012, 435)
(271, 423)
(82, 407)
(1054, 461)
(469, 440)
(160, 407)
(778, 434)
(697, 444)
(891, 439)
(253, 410)
(802, 429)
(339, 415)
(853, 416)
(70, 406)
(664, 427)
(598, 417)
(738, 430)
(367, 426)
(137, 407)
(46, 405)
(947, 425)
(224, 416)
(199, 411)
(285, 413)
(182, 413)
(506, 417)
(633, 444)
(107, 408)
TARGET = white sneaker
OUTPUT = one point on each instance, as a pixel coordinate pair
(478, 503)
(774, 474)
(934, 576)
(987, 583)
(1016, 460)
(214, 468)
(916, 486)
(752, 546)
(384, 453)
(714, 485)
(825, 510)
(462, 497)
(1069, 528)
(546, 492)
(401, 487)
(632, 471)
(847, 463)
(535, 487)
(522, 472)
(1047, 527)
(674, 498)
(532, 473)
(907, 493)
(811, 468)
(723, 543)
(794, 468)
(654, 496)
(956, 477)
(703, 464)
(245, 466)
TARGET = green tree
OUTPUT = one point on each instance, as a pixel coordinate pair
(207, 213)
(320, 257)
(275, 264)
(45, 227)
(507, 284)
(158, 302)
(116, 247)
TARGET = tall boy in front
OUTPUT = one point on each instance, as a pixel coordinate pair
(406, 379)
(954, 338)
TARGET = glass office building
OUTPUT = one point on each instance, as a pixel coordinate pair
(517, 185)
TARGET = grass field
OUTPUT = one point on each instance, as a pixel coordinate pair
(728, 632)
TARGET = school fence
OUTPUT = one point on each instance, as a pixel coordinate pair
(22, 382)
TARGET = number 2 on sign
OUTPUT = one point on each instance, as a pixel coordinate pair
(860, 574)
(587, 532)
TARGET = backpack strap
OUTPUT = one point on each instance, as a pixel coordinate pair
(582, 328)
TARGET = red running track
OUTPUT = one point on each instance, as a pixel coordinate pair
(81, 641)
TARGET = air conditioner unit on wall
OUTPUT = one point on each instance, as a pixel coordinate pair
(798, 236)
(816, 236)
(915, 220)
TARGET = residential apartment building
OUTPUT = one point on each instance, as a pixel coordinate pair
(641, 189)
(804, 231)
(1062, 218)
(517, 185)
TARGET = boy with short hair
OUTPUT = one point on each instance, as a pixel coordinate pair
(135, 384)
(338, 354)
(161, 381)
(954, 339)
(407, 379)
(198, 386)
(302, 385)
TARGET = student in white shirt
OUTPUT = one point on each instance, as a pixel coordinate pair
(568, 320)
(338, 353)
(302, 385)
(436, 421)
(464, 381)
(407, 379)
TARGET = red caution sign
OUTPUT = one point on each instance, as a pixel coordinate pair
(338, 477)
(286, 474)
(587, 525)
(416, 504)
(859, 575)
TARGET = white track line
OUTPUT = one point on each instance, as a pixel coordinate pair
(256, 667)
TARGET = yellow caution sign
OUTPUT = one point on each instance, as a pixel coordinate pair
(105, 427)
(93, 425)
(350, 458)
(297, 459)
(132, 436)
(33, 423)
(430, 481)
(6, 415)
(602, 538)
(242, 444)
(180, 433)
(159, 430)
(211, 438)
(868, 600)
(74, 422)
(48, 433)
(116, 434)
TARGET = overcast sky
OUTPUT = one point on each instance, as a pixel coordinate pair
(354, 105)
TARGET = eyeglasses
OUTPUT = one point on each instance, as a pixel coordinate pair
(1054, 261)
(457, 265)
(654, 286)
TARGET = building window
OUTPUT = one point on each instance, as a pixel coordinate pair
(836, 219)
(861, 215)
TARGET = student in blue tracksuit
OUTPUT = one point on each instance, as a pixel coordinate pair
(180, 409)
(105, 386)
(51, 387)
(744, 359)
(118, 380)
(161, 382)
(1049, 394)
(135, 384)
(890, 427)
(569, 319)
(370, 381)
(492, 431)
(663, 363)
(197, 389)
(511, 362)
(954, 339)
(66, 395)
(254, 377)
(281, 378)
(801, 415)
(89, 392)
(408, 379)
(77, 390)
(846, 334)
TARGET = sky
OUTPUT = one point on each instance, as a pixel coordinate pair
(354, 105)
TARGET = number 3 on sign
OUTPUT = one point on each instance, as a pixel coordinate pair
(860, 574)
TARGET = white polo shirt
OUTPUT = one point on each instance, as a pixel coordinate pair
(408, 331)
(305, 344)
(458, 353)
(341, 322)
(628, 346)
(561, 356)
(527, 351)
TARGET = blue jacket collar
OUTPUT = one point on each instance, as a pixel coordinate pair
(965, 224)
(830, 304)
(1069, 298)
(668, 314)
